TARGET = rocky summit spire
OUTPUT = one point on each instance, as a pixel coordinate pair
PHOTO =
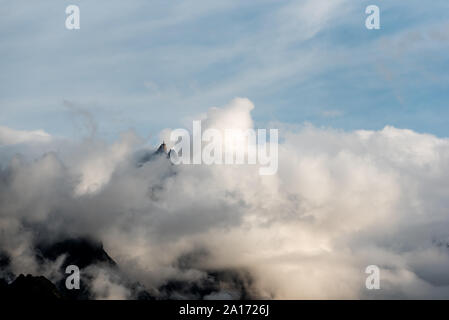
(150, 155)
(162, 148)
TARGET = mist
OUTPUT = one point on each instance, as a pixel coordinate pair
(340, 201)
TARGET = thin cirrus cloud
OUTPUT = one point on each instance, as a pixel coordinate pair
(290, 58)
(10, 136)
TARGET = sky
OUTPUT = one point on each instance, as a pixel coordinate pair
(149, 65)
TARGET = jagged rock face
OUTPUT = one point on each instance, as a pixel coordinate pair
(221, 284)
(30, 287)
(162, 148)
(86, 254)
(90, 255)
(4, 260)
(147, 156)
(5, 272)
(81, 252)
(3, 289)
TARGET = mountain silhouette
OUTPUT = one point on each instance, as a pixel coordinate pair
(146, 156)
(29, 288)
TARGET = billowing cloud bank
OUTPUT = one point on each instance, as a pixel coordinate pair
(340, 201)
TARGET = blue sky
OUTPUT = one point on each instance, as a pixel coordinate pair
(149, 65)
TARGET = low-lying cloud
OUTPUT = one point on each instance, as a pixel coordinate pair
(339, 202)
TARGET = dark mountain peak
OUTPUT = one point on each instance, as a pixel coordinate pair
(4, 260)
(31, 287)
(81, 252)
(146, 156)
(162, 148)
(86, 252)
